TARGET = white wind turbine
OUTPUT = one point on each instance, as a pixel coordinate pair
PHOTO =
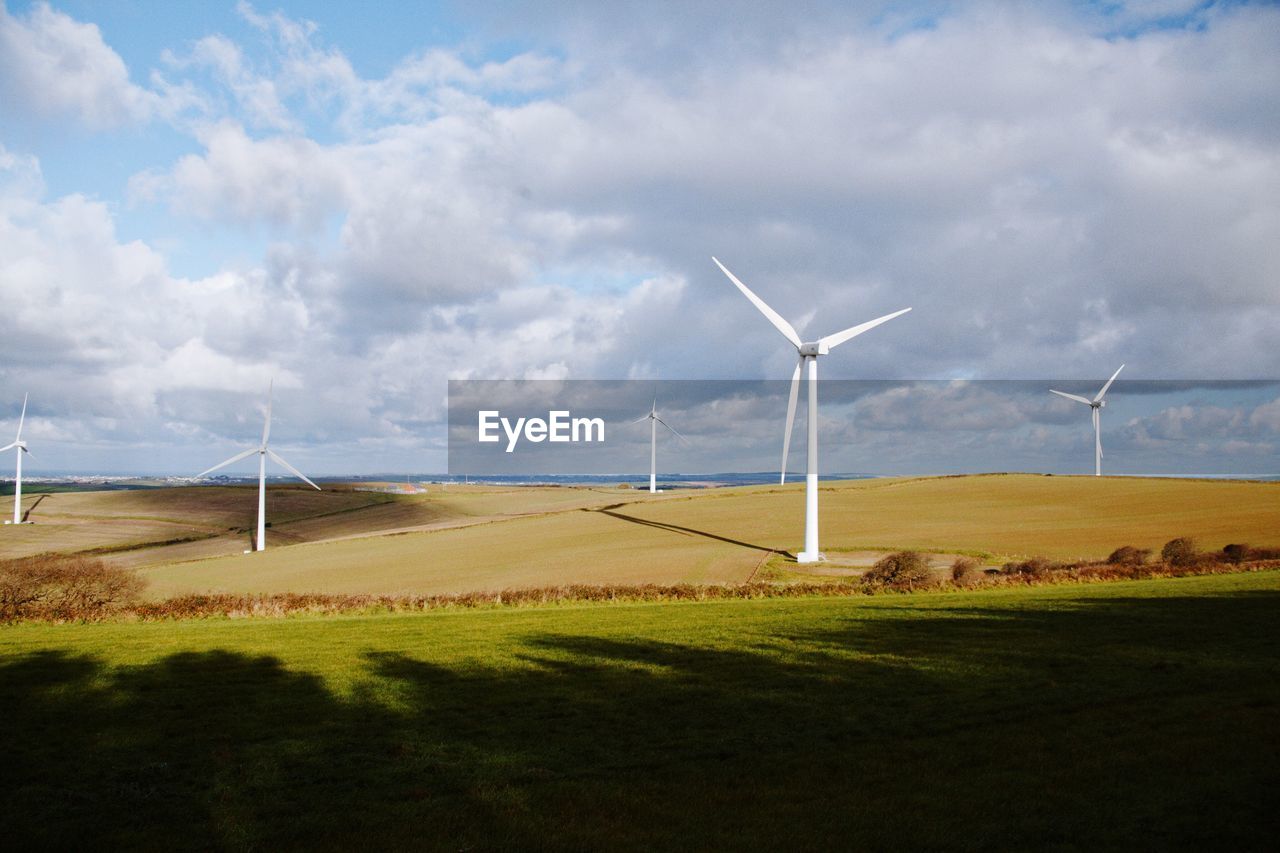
(17, 477)
(654, 420)
(1096, 404)
(809, 353)
(263, 452)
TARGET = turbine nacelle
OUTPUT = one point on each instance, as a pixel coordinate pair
(815, 349)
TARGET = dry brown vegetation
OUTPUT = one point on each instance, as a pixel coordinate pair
(1180, 552)
(901, 570)
(965, 571)
(1127, 555)
(62, 588)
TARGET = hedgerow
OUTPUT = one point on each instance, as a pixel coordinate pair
(61, 589)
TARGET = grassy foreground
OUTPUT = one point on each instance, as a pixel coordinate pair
(1125, 715)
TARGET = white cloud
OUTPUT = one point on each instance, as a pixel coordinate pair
(1265, 419)
(1206, 428)
(287, 182)
(257, 97)
(951, 406)
(100, 326)
(20, 177)
(1056, 199)
(1070, 201)
(1235, 447)
(54, 65)
(1178, 423)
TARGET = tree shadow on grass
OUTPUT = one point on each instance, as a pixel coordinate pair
(1142, 722)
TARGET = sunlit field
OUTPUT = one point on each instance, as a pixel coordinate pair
(163, 525)
(729, 535)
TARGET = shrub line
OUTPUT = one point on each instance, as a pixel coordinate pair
(58, 589)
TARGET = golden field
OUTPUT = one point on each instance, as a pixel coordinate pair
(469, 538)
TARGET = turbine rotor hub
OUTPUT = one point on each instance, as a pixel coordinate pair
(814, 349)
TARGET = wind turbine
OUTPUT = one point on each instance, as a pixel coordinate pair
(263, 452)
(654, 420)
(1096, 404)
(17, 477)
(809, 353)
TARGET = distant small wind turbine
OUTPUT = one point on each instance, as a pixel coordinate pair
(1097, 403)
(654, 420)
(809, 353)
(263, 452)
(17, 477)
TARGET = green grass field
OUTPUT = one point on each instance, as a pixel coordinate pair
(1136, 715)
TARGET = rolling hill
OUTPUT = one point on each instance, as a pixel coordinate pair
(457, 539)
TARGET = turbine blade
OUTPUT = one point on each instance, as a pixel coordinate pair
(266, 428)
(674, 431)
(21, 419)
(295, 471)
(9, 446)
(833, 341)
(774, 317)
(235, 458)
(1075, 397)
(641, 418)
(1108, 385)
(791, 419)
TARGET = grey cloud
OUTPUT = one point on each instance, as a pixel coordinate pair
(1198, 422)
(1062, 200)
(1073, 199)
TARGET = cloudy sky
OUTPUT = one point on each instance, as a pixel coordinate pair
(198, 198)
(879, 427)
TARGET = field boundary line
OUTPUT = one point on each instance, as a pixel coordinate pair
(751, 577)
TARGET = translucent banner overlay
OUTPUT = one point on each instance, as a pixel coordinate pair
(556, 430)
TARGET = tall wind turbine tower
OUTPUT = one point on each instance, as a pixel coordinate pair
(1097, 404)
(809, 353)
(654, 420)
(17, 477)
(263, 452)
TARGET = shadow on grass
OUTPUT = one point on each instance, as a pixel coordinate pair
(26, 516)
(1144, 723)
(612, 512)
